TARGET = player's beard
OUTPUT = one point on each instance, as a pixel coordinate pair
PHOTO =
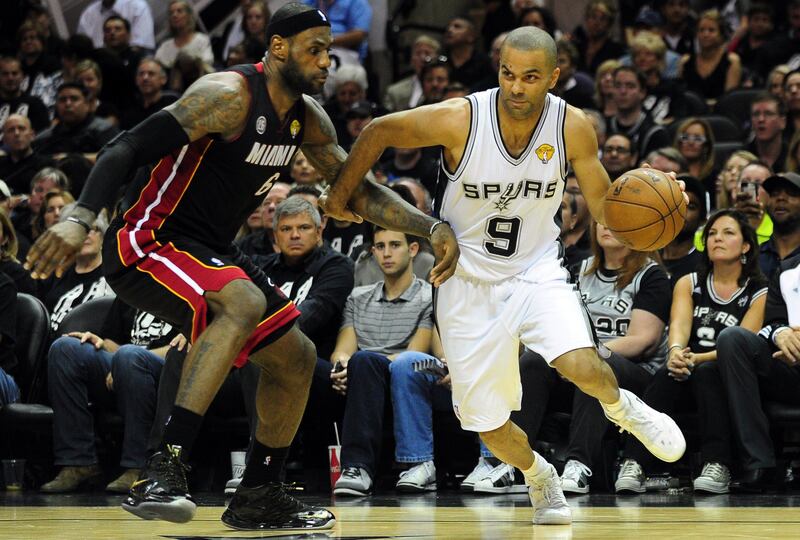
(297, 81)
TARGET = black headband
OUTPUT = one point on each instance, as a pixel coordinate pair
(296, 23)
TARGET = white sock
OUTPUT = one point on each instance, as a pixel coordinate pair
(618, 406)
(539, 466)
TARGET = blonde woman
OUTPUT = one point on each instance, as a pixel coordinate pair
(728, 177)
(604, 87)
(185, 38)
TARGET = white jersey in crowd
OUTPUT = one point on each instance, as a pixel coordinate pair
(505, 211)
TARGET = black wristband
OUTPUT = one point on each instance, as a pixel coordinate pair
(79, 222)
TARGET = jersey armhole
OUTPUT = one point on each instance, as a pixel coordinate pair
(473, 120)
(217, 136)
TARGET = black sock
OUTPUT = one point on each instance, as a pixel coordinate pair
(264, 464)
(181, 430)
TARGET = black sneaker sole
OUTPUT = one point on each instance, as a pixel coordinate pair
(176, 511)
(240, 525)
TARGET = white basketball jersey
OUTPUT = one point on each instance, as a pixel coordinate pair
(505, 211)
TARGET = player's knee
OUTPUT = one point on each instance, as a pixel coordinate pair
(240, 301)
(496, 436)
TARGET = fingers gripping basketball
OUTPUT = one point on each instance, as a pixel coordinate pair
(645, 209)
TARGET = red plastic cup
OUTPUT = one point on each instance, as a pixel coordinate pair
(334, 453)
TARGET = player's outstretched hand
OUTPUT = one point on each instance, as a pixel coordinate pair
(337, 209)
(674, 176)
(446, 251)
(55, 249)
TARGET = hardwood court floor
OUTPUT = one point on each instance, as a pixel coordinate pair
(431, 516)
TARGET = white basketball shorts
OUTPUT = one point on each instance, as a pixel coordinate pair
(481, 325)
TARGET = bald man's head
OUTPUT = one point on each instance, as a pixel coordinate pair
(530, 38)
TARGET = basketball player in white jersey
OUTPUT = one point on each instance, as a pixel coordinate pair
(504, 161)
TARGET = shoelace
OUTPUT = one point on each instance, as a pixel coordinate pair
(282, 502)
(574, 469)
(551, 491)
(352, 473)
(173, 470)
(630, 468)
(715, 470)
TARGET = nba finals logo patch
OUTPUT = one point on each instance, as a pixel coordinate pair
(294, 128)
(545, 152)
(261, 125)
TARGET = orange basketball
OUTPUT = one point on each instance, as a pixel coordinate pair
(645, 209)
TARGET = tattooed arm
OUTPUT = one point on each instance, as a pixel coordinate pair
(216, 103)
(374, 202)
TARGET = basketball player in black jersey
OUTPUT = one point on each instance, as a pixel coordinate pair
(218, 151)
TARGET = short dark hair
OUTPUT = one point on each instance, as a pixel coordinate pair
(548, 19)
(761, 8)
(766, 97)
(305, 189)
(76, 85)
(436, 63)
(630, 69)
(125, 21)
(564, 45)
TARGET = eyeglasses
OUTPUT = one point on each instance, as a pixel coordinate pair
(441, 59)
(685, 137)
(616, 150)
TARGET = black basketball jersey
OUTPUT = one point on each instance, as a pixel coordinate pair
(712, 314)
(206, 189)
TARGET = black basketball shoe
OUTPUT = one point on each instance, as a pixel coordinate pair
(161, 492)
(270, 507)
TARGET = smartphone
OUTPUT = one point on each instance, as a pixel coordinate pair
(750, 189)
(337, 367)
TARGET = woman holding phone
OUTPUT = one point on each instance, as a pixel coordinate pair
(729, 290)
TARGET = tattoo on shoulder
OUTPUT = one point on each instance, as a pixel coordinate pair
(211, 107)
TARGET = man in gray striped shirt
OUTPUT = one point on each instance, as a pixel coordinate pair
(386, 327)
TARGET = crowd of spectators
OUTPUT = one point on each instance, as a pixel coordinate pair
(709, 90)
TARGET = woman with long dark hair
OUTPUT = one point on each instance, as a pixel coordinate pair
(728, 290)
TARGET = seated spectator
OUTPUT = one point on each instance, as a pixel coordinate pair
(46, 180)
(541, 18)
(666, 159)
(350, 87)
(118, 60)
(649, 52)
(50, 211)
(768, 121)
(82, 282)
(712, 70)
(407, 92)
(695, 141)
(664, 101)
(578, 238)
(368, 270)
(783, 210)
(123, 362)
(38, 66)
(491, 80)
(729, 290)
(728, 177)
(137, 12)
(619, 155)
(760, 367)
(436, 76)
(569, 218)
(604, 88)
(19, 165)
(150, 81)
(13, 102)
(262, 240)
(679, 23)
(303, 173)
(77, 130)
(88, 74)
(783, 49)
(364, 363)
(185, 38)
(598, 123)
(774, 81)
(254, 23)
(360, 114)
(572, 86)
(9, 390)
(624, 292)
(469, 63)
(593, 38)
(791, 95)
(760, 26)
(751, 179)
(350, 23)
(419, 193)
(9, 264)
(681, 257)
(630, 91)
